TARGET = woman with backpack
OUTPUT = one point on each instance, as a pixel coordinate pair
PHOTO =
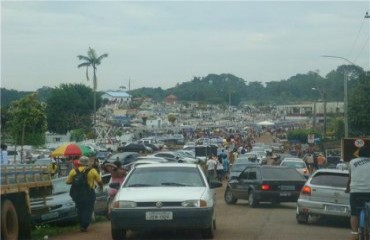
(83, 179)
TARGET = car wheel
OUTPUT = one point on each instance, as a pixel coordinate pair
(209, 233)
(252, 199)
(229, 197)
(9, 220)
(118, 233)
(302, 218)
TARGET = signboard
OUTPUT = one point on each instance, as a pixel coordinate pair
(310, 138)
(352, 146)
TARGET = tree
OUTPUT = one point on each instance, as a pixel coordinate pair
(171, 118)
(70, 107)
(27, 121)
(359, 107)
(91, 60)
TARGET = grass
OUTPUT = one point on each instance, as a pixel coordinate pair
(40, 232)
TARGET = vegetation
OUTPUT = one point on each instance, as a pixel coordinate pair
(70, 107)
(25, 121)
(92, 60)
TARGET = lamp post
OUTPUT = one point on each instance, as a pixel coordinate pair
(345, 93)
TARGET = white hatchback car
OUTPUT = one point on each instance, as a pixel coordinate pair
(164, 196)
(323, 195)
(296, 163)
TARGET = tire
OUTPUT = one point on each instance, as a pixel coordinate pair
(118, 234)
(252, 199)
(209, 233)
(302, 218)
(9, 221)
(229, 197)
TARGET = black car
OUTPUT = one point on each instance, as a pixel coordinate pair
(238, 167)
(135, 147)
(124, 157)
(262, 183)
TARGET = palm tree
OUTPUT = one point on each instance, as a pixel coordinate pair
(92, 60)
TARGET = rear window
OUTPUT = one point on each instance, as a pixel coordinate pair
(330, 179)
(276, 173)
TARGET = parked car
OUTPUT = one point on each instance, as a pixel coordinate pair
(61, 208)
(277, 147)
(145, 160)
(125, 157)
(135, 147)
(297, 164)
(263, 183)
(323, 195)
(164, 196)
(103, 155)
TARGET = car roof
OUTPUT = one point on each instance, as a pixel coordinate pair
(180, 165)
(331, 170)
(292, 160)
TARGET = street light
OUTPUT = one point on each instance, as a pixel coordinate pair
(345, 93)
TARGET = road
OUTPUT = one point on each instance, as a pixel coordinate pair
(236, 222)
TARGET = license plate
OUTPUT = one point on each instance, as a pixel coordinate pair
(333, 208)
(159, 215)
(285, 194)
(49, 216)
(287, 187)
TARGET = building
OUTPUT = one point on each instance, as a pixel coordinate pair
(117, 96)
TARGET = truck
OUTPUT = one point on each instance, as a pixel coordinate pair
(20, 183)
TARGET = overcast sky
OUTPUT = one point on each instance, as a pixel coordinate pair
(160, 44)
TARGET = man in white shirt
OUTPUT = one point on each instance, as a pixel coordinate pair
(358, 186)
(211, 168)
(4, 154)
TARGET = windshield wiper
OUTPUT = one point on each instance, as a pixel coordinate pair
(173, 184)
(139, 185)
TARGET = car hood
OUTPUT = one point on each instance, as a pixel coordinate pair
(147, 194)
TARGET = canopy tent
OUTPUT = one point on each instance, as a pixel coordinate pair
(266, 123)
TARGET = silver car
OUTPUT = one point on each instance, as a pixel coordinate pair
(164, 196)
(323, 195)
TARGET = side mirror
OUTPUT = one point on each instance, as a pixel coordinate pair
(114, 185)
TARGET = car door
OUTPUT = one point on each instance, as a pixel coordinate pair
(101, 202)
(241, 185)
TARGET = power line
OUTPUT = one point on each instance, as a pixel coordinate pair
(358, 34)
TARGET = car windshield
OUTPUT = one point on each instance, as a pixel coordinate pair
(330, 179)
(165, 176)
(293, 164)
(276, 173)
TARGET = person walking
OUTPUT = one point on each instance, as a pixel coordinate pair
(358, 186)
(321, 161)
(83, 190)
(211, 166)
(4, 154)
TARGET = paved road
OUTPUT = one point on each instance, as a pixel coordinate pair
(240, 222)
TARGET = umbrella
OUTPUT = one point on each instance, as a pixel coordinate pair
(71, 149)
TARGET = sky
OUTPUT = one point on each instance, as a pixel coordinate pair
(163, 43)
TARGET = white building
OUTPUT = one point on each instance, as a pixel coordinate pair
(117, 96)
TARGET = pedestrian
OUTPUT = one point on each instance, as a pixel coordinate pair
(321, 161)
(84, 195)
(358, 186)
(308, 159)
(211, 165)
(226, 165)
(118, 174)
(53, 168)
(4, 154)
(220, 170)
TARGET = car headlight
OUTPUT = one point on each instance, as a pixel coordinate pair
(194, 203)
(70, 203)
(124, 204)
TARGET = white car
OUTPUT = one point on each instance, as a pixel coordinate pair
(324, 195)
(298, 164)
(164, 196)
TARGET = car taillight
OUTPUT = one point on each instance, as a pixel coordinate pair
(265, 187)
(306, 190)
